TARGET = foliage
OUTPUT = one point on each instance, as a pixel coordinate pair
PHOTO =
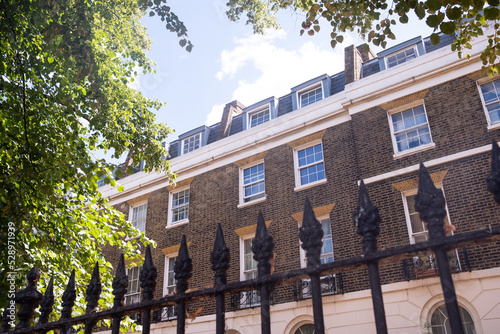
(374, 20)
(65, 69)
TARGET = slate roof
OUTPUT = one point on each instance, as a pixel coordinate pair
(285, 102)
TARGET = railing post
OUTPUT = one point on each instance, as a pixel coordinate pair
(262, 248)
(220, 262)
(182, 269)
(93, 292)
(311, 235)
(148, 284)
(28, 299)
(68, 300)
(430, 204)
(120, 285)
(367, 221)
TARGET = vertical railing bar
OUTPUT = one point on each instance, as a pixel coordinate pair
(262, 248)
(68, 301)
(367, 221)
(311, 235)
(93, 292)
(147, 277)
(220, 262)
(182, 268)
(430, 204)
(120, 285)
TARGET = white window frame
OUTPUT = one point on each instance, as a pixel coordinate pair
(298, 184)
(252, 113)
(303, 258)
(243, 303)
(136, 294)
(397, 153)
(131, 213)
(243, 185)
(183, 141)
(170, 215)
(490, 125)
(172, 309)
(442, 308)
(309, 89)
(413, 192)
(386, 58)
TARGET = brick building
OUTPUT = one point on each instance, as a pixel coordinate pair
(376, 121)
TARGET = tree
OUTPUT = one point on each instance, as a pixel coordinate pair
(374, 20)
(65, 69)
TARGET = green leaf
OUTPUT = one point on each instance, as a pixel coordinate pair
(130, 170)
(403, 19)
(434, 5)
(433, 21)
(491, 13)
(447, 28)
(50, 59)
(340, 38)
(435, 38)
(420, 10)
(119, 172)
(453, 13)
(120, 188)
(182, 42)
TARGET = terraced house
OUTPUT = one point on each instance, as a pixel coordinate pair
(375, 121)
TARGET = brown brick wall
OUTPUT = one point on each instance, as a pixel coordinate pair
(359, 148)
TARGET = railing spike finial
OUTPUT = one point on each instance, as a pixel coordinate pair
(183, 267)
(311, 235)
(148, 276)
(28, 299)
(493, 181)
(68, 301)
(367, 219)
(430, 204)
(219, 257)
(47, 303)
(93, 290)
(120, 283)
(69, 297)
(262, 247)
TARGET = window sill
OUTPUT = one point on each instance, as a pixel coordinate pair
(242, 205)
(170, 225)
(414, 150)
(494, 126)
(309, 185)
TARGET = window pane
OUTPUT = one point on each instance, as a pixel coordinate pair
(259, 117)
(311, 96)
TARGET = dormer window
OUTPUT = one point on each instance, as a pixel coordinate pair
(191, 143)
(311, 91)
(259, 117)
(311, 96)
(401, 56)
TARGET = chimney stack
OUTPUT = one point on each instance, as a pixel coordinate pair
(354, 57)
(227, 115)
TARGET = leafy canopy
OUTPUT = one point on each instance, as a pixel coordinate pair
(374, 20)
(65, 69)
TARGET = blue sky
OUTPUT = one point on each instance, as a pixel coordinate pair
(229, 62)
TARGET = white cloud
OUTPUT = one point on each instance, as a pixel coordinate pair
(215, 115)
(278, 69)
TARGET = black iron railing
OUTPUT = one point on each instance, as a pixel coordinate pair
(429, 203)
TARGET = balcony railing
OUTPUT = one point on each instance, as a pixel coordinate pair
(330, 285)
(424, 266)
